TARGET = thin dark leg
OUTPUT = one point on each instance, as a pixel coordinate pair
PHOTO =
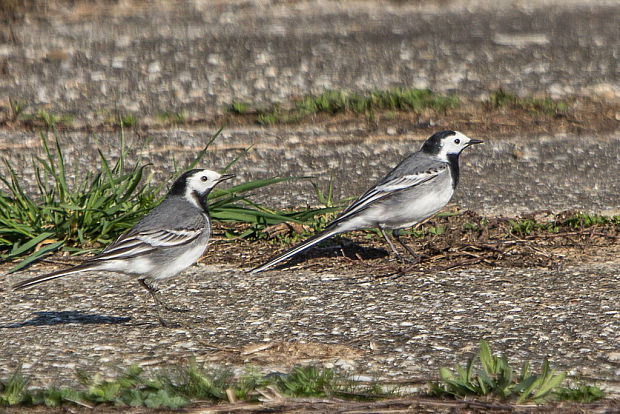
(416, 257)
(387, 239)
(153, 291)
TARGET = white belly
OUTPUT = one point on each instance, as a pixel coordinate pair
(180, 263)
(400, 211)
(414, 212)
(155, 266)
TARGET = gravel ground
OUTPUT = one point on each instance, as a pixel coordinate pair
(199, 56)
(506, 175)
(147, 59)
(404, 328)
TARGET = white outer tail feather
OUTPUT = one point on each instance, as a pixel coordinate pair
(297, 249)
(54, 275)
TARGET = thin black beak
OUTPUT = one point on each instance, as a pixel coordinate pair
(475, 141)
(225, 177)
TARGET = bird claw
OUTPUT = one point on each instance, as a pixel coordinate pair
(178, 310)
(167, 324)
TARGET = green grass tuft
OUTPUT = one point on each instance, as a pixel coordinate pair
(128, 121)
(171, 118)
(502, 99)
(13, 391)
(338, 101)
(497, 378)
(581, 393)
(527, 226)
(180, 386)
(309, 381)
(239, 107)
(83, 214)
(86, 213)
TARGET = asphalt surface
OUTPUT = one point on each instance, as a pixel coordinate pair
(504, 176)
(197, 57)
(149, 60)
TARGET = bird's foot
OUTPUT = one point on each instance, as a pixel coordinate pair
(172, 309)
(168, 324)
(409, 260)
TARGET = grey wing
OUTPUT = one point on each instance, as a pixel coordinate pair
(155, 231)
(133, 244)
(408, 174)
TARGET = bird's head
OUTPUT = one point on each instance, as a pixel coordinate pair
(447, 143)
(195, 185)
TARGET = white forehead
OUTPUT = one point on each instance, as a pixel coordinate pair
(453, 144)
(196, 180)
(211, 175)
(462, 137)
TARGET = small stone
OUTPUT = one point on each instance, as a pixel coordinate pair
(154, 67)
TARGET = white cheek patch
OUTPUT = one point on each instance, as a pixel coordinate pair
(196, 185)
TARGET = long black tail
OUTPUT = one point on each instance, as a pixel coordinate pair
(299, 248)
(54, 275)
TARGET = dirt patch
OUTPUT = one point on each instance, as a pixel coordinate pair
(464, 240)
(585, 116)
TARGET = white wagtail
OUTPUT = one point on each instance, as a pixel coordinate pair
(166, 241)
(420, 186)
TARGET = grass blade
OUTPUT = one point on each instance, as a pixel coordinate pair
(18, 250)
(37, 255)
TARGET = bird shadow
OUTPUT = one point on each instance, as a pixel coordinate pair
(346, 247)
(66, 317)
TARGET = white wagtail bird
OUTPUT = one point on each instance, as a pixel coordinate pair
(170, 238)
(420, 186)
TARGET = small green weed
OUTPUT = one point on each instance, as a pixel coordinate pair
(589, 220)
(334, 102)
(523, 227)
(437, 230)
(176, 388)
(276, 115)
(17, 108)
(581, 393)
(239, 107)
(500, 99)
(13, 392)
(195, 382)
(42, 118)
(175, 118)
(268, 118)
(181, 385)
(127, 121)
(338, 101)
(527, 226)
(309, 381)
(498, 379)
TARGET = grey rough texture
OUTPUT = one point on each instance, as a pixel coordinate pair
(502, 176)
(199, 56)
(402, 328)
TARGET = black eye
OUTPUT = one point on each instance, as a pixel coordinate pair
(457, 141)
(204, 178)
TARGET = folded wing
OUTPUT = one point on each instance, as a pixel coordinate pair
(389, 186)
(138, 243)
